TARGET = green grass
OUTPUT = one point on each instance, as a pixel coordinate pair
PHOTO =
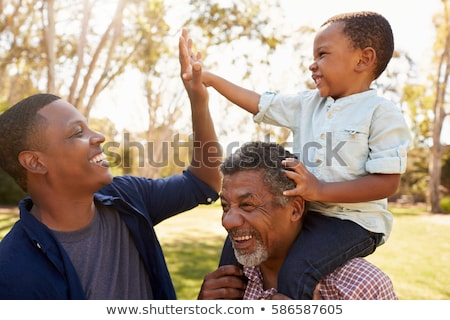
(416, 256)
(192, 243)
(7, 219)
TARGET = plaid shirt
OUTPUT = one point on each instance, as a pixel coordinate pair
(356, 280)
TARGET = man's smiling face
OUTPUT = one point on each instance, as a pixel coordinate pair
(255, 223)
(72, 152)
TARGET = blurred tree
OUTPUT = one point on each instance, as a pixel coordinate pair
(221, 25)
(10, 192)
(79, 49)
(440, 104)
(76, 49)
(445, 176)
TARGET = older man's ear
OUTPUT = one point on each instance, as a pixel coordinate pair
(299, 207)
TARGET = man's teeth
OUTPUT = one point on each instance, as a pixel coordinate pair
(242, 238)
(98, 158)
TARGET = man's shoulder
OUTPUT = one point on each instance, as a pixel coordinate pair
(359, 264)
(358, 279)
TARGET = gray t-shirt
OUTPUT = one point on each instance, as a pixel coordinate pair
(106, 259)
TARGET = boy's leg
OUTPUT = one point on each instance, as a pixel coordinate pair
(324, 244)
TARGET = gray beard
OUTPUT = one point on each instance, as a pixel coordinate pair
(252, 259)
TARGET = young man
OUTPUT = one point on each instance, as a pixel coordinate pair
(83, 234)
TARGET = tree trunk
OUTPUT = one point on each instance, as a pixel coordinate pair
(434, 169)
(49, 36)
(435, 166)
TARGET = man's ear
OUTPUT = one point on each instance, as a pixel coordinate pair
(30, 160)
(298, 205)
(367, 59)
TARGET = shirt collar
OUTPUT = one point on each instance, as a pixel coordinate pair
(255, 289)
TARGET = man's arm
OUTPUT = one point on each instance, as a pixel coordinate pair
(207, 152)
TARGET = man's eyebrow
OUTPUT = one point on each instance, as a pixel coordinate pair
(241, 197)
(76, 122)
(246, 196)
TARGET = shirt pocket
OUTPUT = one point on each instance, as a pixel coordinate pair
(352, 144)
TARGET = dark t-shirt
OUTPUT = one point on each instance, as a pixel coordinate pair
(106, 259)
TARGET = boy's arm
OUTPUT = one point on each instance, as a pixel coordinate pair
(244, 98)
(368, 188)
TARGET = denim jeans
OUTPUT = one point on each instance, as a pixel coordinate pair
(323, 244)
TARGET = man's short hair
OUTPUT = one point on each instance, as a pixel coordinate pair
(265, 157)
(20, 129)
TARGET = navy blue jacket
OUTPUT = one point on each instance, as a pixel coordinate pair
(34, 265)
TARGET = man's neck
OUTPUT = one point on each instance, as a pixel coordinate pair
(64, 215)
(270, 274)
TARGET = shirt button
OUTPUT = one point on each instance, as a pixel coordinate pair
(209, 200)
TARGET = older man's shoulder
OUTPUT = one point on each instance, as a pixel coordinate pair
(357, 279)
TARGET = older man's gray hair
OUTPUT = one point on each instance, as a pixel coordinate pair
(266, 157)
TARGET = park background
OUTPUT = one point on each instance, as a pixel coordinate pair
(116, 61)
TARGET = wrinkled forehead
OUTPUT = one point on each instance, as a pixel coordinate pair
(244, 183)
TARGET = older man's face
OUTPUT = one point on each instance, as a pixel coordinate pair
(259, 229)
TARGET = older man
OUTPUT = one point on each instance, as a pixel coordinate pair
(263, 225)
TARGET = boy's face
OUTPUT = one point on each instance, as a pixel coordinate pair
(72, 153)
(334, 69)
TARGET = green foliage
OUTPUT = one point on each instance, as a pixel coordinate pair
(419, 102)
(445, 204)
(223, 23)
(445, 173)
(415, 180)
(6, 222)
(10, 192)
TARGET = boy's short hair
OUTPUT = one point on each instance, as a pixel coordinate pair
(368, 29)
(20, 128)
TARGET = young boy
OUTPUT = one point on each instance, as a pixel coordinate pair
(352, 144)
